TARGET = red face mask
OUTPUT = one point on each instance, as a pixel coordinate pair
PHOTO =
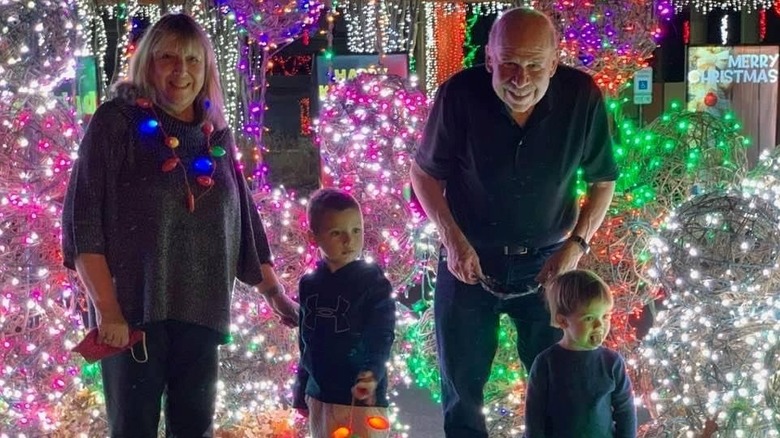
(93, 351)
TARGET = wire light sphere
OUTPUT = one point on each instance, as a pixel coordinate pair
(257, 366)
(505, 389)
(706, 6)
(609, 39)
(719, 243)
(677, 155)
(272, 23)
(37, 42)
(718, 362)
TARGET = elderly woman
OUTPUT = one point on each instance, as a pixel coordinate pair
(158, 222)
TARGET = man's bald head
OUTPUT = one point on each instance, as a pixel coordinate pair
(510, 24)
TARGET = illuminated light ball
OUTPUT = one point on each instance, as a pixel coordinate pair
(378, 423)
(149, 126)
(37, 44)
(273, 22)
(711, 99)
(718, 242)
(368, 128)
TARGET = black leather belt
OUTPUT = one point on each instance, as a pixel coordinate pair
(515, 250)
(511, 250)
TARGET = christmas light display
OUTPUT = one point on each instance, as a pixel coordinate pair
(450, 35)
(705, 6)
(37, 44)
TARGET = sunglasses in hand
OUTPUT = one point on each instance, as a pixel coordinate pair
(503, 291)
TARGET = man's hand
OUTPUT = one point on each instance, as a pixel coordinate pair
(113, 329)
(563, 260)
(365, 388)
(463, 262)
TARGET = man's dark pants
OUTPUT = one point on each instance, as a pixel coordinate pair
(467, 321)
(182, 363)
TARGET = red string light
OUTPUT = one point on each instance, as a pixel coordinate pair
(305, 105)
(762, 24)
(450, 35)
(290, 65)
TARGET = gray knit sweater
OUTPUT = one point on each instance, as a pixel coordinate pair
(166, 262)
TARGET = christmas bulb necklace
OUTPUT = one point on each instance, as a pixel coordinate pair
(205, 166)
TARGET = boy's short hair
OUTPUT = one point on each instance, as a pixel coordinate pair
(572, 290)
(328, 199)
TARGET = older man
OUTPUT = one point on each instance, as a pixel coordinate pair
(496, 172)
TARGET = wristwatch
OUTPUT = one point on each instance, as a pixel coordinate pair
(581, 242)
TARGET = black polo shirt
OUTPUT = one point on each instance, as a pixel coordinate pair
(508, 185)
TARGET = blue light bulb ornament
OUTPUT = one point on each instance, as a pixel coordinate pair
(203, 165)
(149, 126)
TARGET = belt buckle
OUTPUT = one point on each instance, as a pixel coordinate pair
(521, 250)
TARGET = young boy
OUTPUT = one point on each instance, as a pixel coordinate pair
(347, 324)
(577, 388)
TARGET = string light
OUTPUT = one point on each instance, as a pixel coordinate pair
(706, 6)
(762, 24)
(431, 50)
(378, 26)
(450, 35)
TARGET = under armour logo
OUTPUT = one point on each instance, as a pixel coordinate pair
(340, 321)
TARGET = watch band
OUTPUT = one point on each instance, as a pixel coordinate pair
(579, 240)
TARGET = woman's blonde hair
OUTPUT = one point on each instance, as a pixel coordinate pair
(209, 104)
(572, 290)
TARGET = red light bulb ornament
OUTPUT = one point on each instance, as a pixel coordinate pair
(710, 99)
(207, 128)
(143, 103)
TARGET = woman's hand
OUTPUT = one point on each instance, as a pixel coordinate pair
(273, 292)
(285, 308)
(113, 329)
